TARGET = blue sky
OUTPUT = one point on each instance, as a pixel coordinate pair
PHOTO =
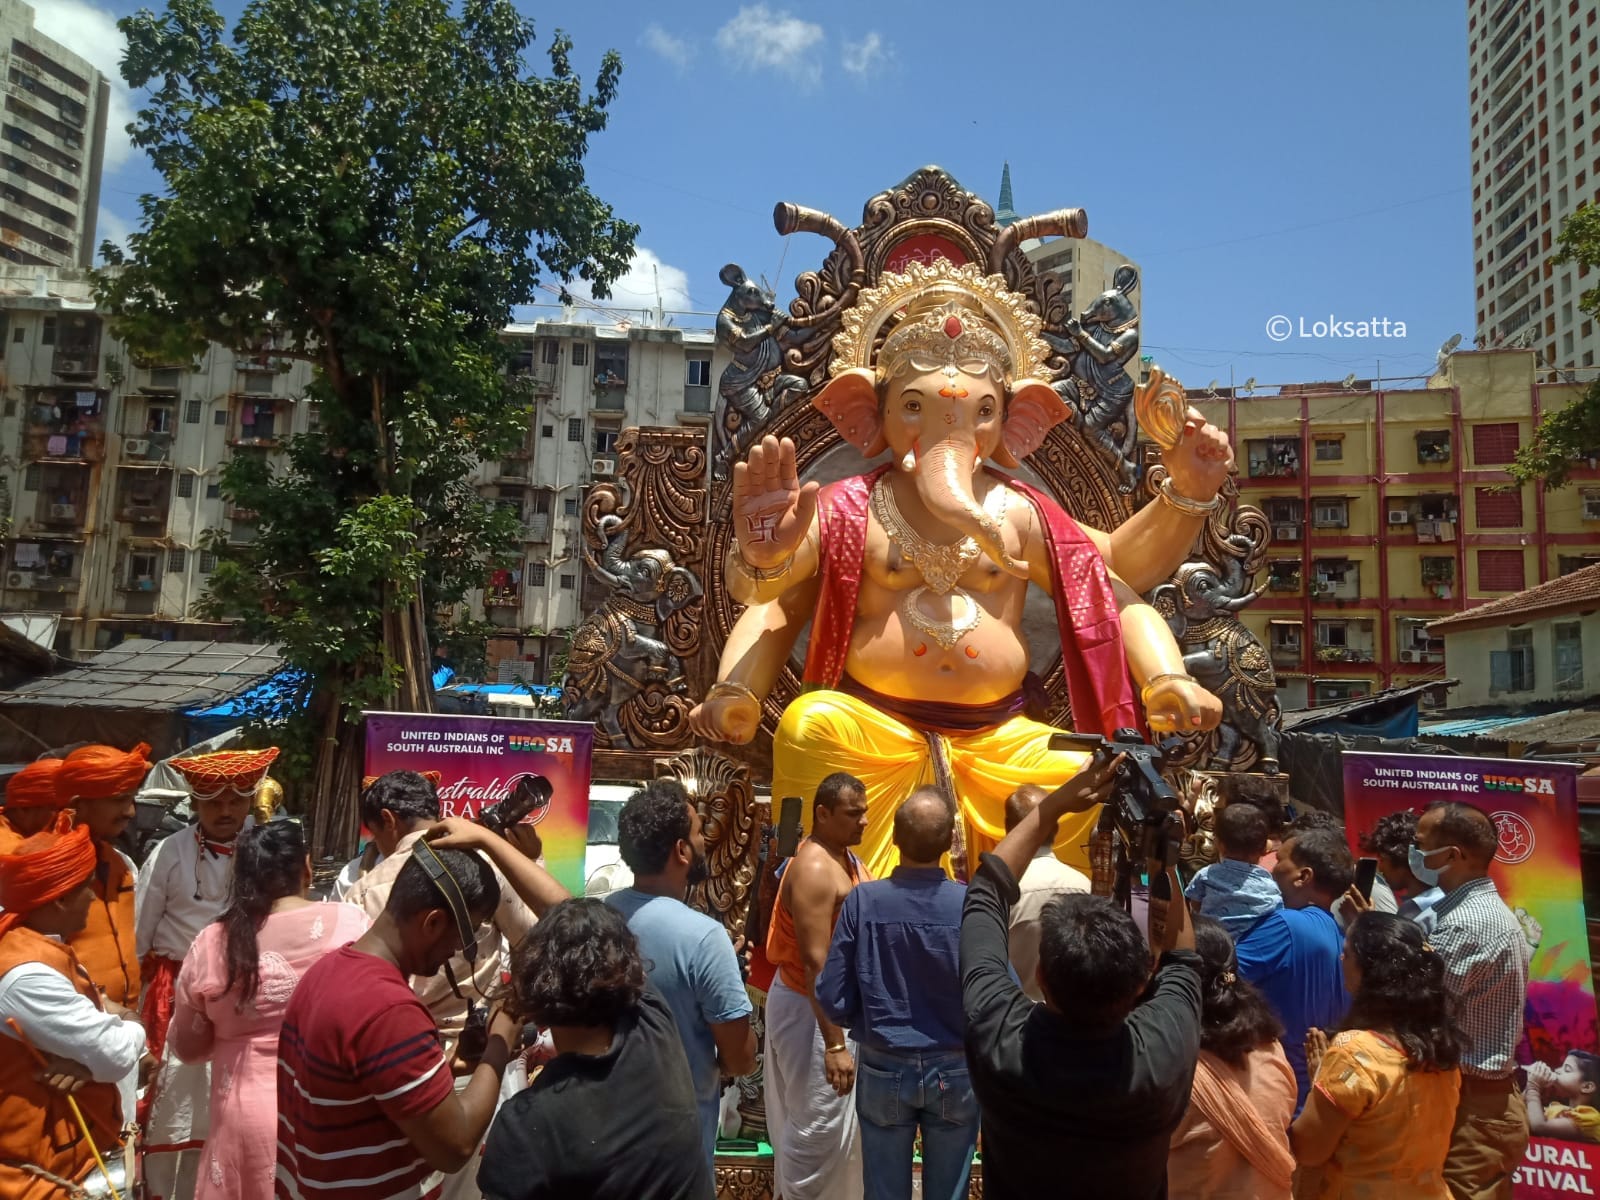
(1256, 158)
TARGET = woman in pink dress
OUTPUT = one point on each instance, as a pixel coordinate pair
(231, 995)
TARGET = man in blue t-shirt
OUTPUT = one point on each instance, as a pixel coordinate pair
(1293, 954)
(689, 956)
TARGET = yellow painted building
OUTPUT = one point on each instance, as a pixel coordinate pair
(1389, 509)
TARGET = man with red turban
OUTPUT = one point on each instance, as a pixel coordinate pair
(99, 782)
(183, 887)
(31, 803)
(47, 890)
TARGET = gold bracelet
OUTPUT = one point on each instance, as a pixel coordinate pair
(730, 687)
(835, 1049)
(1165, 675)
(759, 574)
(1184, 504)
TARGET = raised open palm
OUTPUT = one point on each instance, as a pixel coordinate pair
(772, 509)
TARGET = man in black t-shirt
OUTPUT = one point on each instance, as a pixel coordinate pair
(613, 1115)
(1079, 1094)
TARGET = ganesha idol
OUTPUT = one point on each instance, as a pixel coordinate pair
(913, 576)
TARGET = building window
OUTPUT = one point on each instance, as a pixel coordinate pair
(220, 417)
(1337, 691)
(549, 351)
(1566, 564)
(213, 491)
(1501, 571)
(1438, 575)
(569, 506)
(536, 574)
(1511, 669)
(1497, 509)
(605, 439)
(1329, 449)
(191, 412)
(574, 429)
(176, 559)
(547, 431)
(1286, 636)
(1568, 656)
(699, 372)
(313, 418)
(185, 486)
(1270, 458)
(1335, 634)
(1283, 575)
(17, 335)
(611, 366)
(1494, 445)
(1591, 504)
(158, 420)
(1433, 446)
(30, 478)
(1336, 577)
(541, 502)
(1330, 513)
(208, 562)
(47, 335)
(580, 354)
(569, 582)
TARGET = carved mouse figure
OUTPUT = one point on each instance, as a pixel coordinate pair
(1099, 390)
(753, 386)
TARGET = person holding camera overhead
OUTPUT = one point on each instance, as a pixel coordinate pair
(1098, 1075)
(408, 803)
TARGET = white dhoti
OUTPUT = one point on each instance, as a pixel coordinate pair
(463, 1185)
(816, 1147)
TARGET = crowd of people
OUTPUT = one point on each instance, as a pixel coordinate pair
(453, 1023)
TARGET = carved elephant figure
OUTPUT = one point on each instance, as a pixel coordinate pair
(618, 651)
(1099, 390)
(1228, 660)
(753, 386)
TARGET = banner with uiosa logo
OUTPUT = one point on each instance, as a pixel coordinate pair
(1534, 806)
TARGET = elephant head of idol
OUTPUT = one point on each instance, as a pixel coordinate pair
(943, 367)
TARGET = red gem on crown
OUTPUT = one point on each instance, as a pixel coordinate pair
(952, 327)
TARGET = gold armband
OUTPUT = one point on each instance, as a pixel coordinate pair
(1184, 504)
(728, 687)
(1163, 677)
(759, 574)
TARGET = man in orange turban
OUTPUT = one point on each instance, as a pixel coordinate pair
(99, 782)
(31, 803)
(47, 890)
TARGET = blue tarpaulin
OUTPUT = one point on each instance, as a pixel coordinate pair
(276, 697)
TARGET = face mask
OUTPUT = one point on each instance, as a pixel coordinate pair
(1417, 860)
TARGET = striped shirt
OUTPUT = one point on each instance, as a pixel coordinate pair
(1485, 957)
(358, 1053)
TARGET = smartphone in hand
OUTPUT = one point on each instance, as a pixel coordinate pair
(1366, 875)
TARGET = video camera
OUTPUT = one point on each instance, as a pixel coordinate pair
(1143, 808)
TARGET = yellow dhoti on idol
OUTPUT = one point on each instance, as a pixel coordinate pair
(826, 731)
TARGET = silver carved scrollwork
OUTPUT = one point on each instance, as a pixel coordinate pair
(753, 385)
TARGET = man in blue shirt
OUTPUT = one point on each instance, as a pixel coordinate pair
(893, 977)
(689, 956)
(1292, 955)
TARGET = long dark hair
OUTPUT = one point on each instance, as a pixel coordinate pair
(1402, 992)
(1234, 1018)
(268, 864)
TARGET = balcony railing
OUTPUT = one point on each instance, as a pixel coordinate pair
(142, 514)
(502, 597)
(1342, 654)
(1285, 656)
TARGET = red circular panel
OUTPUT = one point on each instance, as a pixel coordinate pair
(923, 248)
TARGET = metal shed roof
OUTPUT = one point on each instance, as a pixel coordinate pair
(145, 674)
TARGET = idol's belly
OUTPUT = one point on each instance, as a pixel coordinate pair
(902, 657)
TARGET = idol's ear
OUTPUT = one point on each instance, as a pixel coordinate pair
(1034, 410)
(850, 401)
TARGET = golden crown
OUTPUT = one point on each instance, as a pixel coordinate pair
(944, 315)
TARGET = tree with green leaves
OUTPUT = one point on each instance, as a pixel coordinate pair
(1566, 438)
(370, 186)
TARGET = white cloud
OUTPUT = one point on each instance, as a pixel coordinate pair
(759, 39)
(859, 58)
(670, 46)
(109, 227)
(92, 34)
(635, 292)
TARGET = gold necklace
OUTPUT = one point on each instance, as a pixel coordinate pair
(939, 565)
(946, 633)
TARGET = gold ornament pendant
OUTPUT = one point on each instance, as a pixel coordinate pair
(946, 632)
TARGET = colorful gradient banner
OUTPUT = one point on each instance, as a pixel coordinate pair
(1535, 808)
(480, 759)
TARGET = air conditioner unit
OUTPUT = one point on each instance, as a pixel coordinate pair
(136, 447)
(19, 579)
(63, 512)
(1408, 656)
(1399, 516)
(604, 466)
(1286, 533)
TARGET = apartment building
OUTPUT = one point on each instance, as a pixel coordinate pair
(52, 144)
(1534, 75)
(589, 383)
(110, 467)
(1390, 509)
(1084, 266)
